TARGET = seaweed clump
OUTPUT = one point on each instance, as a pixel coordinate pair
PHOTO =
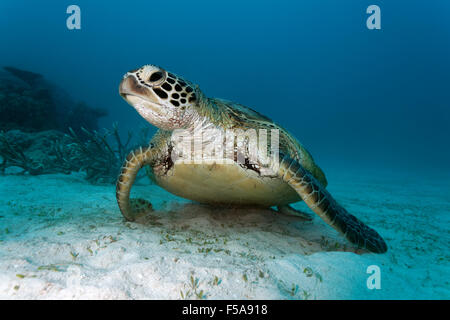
(100, 155)
(36, 153)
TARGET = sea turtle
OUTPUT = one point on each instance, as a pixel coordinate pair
(172, 103)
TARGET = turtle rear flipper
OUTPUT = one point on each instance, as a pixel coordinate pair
(289, 211)
(323, 204)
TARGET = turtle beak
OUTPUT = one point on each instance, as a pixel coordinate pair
(127, 86)
(132, 90)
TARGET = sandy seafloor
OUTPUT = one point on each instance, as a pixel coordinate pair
(62, 238)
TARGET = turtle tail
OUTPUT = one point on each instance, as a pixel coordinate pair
(131, 208)
(325, 206)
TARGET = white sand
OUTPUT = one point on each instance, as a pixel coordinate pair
(61, 238)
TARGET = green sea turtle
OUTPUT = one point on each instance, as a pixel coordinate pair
(174, 104)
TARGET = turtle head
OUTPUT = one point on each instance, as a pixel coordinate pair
(162, 98)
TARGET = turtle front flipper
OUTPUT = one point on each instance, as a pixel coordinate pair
(323, 204)
(131, 208)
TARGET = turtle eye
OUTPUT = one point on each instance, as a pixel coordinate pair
(156, 76)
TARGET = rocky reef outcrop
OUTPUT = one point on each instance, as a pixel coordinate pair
(28, 102)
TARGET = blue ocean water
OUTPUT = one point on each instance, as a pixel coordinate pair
(350, 94)
(360, 100)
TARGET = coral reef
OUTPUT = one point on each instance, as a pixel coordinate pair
(26, 76)
(99, 154)
(43, 130)
(30, 103)
(36, 153)
(26, 108)
(12, 155)
(81, 116)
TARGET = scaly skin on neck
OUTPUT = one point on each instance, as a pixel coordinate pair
(210, 109)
